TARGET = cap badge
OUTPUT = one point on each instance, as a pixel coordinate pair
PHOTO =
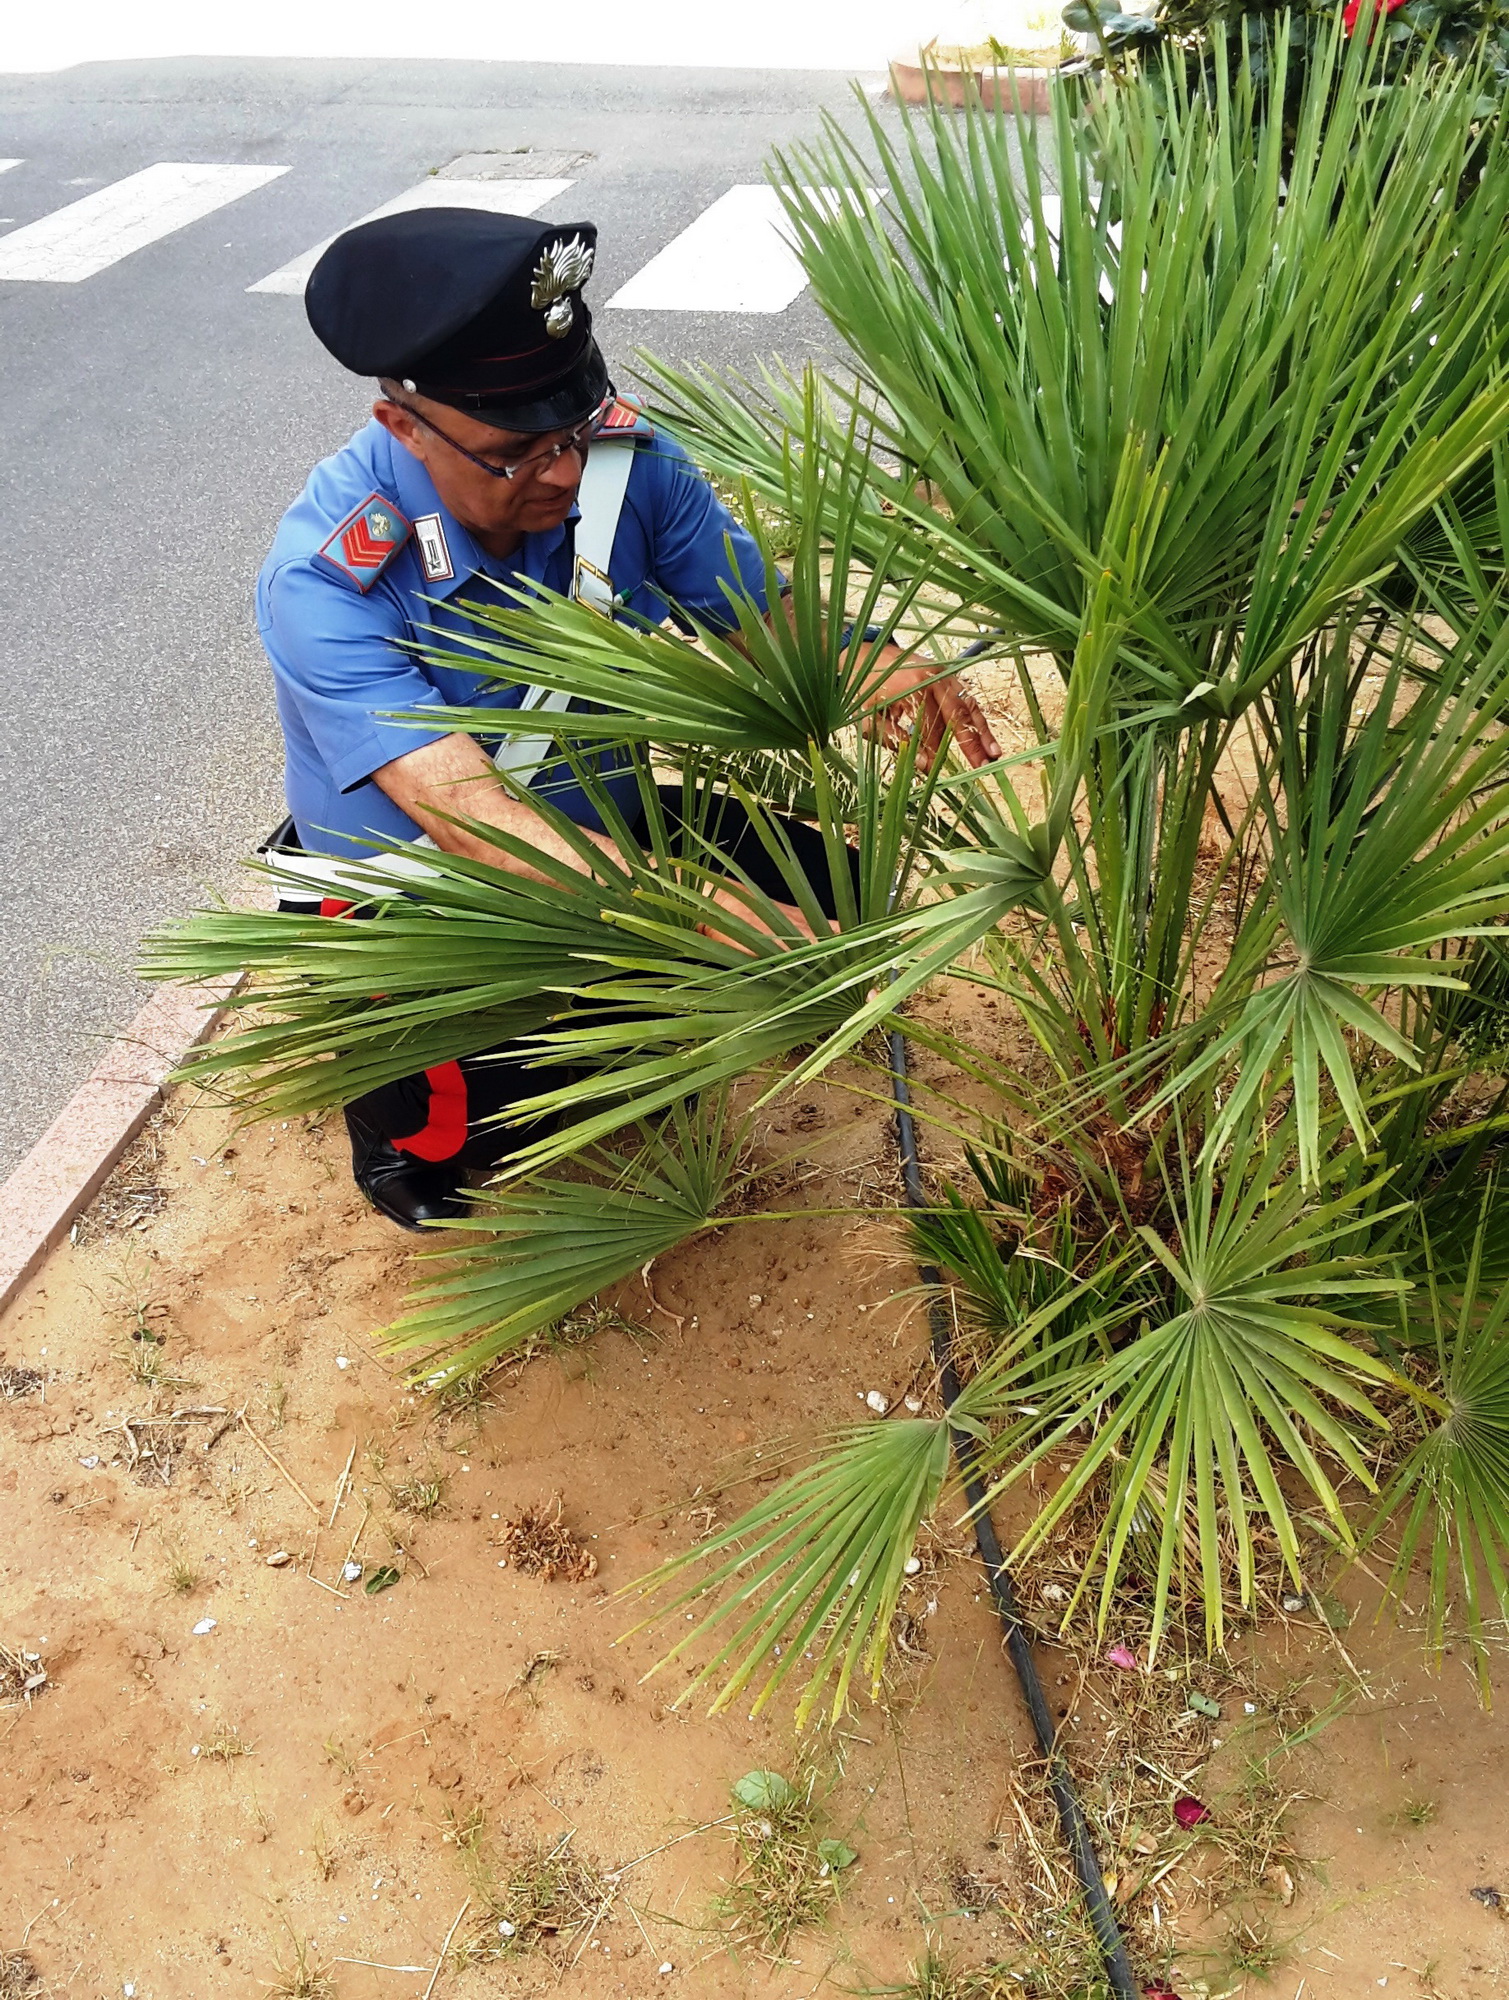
(564, 267)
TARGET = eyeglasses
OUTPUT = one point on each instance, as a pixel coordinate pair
(536, 461)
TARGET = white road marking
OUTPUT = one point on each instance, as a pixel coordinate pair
(88, 235)
(6, 165)
(501, 197)
(734, 258)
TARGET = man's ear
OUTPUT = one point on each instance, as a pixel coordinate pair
(398, 422)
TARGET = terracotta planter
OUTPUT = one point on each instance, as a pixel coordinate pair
(1032, 88)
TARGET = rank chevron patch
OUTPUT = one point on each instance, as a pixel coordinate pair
(363, 545)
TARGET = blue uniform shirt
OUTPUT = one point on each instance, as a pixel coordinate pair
(335, 649)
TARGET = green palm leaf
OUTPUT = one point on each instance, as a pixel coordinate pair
(529, 1256)
(1245, 1362)
(1448, 1502)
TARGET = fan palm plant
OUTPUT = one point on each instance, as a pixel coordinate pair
(1209, 455)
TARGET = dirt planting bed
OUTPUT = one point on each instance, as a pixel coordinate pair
(314, 1686)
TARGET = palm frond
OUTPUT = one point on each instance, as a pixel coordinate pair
(1447, 1505)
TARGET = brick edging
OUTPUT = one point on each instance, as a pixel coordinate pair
(71, 1161)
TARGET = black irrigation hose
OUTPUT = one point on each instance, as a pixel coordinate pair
(1071, 1816)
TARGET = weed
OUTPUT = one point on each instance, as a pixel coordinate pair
(275, 1403)
(1251, 1948)
(301, 1978)
(325, 1848)
(182, 1577)
(933, 1978)
(787, 1878)
(465, 1830)
(464, 1398)
(549, 1895)
(226, 1743)
(144, 1359)
(1417, 1812)
(420, 1497)
(340, 1756)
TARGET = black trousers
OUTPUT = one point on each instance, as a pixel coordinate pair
(446, 1115)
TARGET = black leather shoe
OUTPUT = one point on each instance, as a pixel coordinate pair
(407, 1191)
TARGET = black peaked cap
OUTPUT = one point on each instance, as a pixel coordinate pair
(479, 310)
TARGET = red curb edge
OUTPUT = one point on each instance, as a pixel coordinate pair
(71, 1161)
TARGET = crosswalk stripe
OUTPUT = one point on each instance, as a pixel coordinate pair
(735, 257)
(88, 235)
(501, 197)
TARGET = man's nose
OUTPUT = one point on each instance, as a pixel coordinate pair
(566, 471)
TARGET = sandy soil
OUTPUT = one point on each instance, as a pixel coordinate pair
(137, 1858)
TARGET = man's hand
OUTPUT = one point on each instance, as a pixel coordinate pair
(911, 696)
(727, 897)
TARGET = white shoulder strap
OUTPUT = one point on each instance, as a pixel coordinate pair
(600, 499)
(600, 502)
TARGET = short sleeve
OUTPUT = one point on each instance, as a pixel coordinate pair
(695, 544)
(338, 658)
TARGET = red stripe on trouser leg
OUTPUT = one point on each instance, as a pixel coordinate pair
(443, 1133)
(332, 906)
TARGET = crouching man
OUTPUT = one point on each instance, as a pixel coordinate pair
(498, 456)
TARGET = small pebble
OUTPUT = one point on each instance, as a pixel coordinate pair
(1293, 1601)
(912, 1564)
(877, 1402)
(351, 1572)
(913, 1403)
(90, 1462)
(665, 1968)
(279, 1559)
(757, 1298)
(205, 1625)
(1488, 1896)
(1249, 1708)
(342, 1361)
(506, 1929)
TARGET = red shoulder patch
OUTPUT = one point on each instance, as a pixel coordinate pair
(363, 545)
(623, 419)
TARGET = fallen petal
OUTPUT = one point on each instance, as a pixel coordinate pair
(1121, 1656)
(1190, 1812)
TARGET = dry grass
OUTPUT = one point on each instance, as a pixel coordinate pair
(226, 1744)
(300, 1977)
(17, 1382)
(22, 1676)
(541, 1901)
(19, 1977)
(1135, 1748)
(539, 1544)
(134, 1193)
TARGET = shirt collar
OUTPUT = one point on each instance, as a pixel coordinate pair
(416, 496)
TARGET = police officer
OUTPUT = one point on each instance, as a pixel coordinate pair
(492, 392)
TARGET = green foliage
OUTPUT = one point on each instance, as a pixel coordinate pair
(1216, 467)
(1413, 33)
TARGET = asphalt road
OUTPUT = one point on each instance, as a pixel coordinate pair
(158, 419)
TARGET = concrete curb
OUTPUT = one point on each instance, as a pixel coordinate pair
(69, 1164)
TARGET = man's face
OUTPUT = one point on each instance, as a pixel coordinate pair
(538, 497)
